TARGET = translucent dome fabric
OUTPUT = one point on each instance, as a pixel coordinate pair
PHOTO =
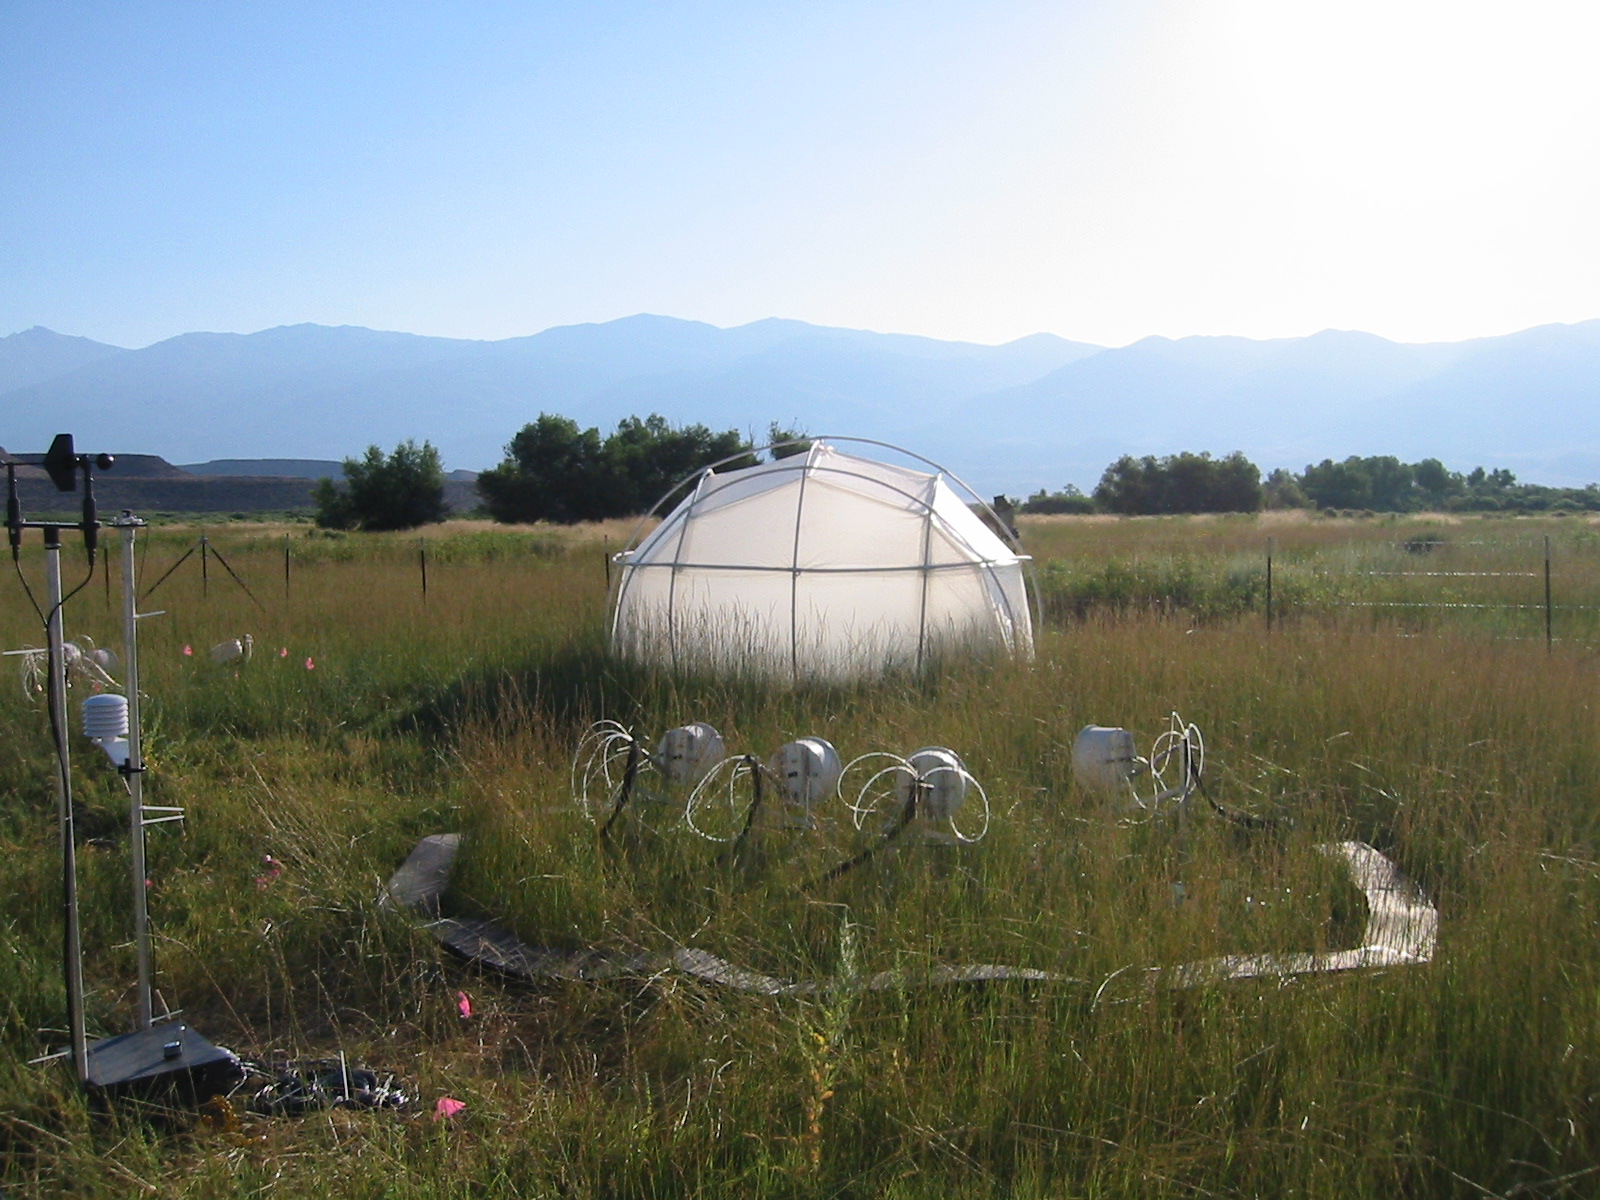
(822, 565)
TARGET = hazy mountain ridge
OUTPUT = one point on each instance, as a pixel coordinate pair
(1037, 412)
(1525, 400)
(39, 354)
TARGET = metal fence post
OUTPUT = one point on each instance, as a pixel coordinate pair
(1549, 609)
(1269, 585)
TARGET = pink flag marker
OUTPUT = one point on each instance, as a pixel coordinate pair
(274, 869)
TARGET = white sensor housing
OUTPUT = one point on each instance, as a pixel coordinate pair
(686, 754)
(105, 723)
(808, 772)
(943, 779)
(1104, 759)
(105, 716)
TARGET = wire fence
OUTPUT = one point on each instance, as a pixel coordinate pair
(1516, 586)
(1543, 587)
(1470, 587)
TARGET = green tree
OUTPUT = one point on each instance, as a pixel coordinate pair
(1282, 490)
(786, 443)
(1435, 481)
(402, 491)
(1338, 485)
(555, 471)
(1069, 499)
(649, 457)
(1235, 486)
(1180, 483)
(1386, 483)
(1129, 485)
(1379, 482)
(1393, 484)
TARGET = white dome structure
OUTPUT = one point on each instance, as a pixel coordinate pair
(821, 565)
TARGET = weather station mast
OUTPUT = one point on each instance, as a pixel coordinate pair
(158, 1055)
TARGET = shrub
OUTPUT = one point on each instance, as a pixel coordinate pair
(402, 491)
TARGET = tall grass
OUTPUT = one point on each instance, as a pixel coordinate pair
(1470, 759)
(1392, 574)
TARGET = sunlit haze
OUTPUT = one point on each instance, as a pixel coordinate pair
(1103, 171)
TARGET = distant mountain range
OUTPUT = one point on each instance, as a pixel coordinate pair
(1038, 412)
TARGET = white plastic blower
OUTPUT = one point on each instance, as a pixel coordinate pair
(807, 772)
(1105, 761)
(942, 778)
(1104, 758)
(686, 754)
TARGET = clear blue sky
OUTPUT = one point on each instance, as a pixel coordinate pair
(1102, 170)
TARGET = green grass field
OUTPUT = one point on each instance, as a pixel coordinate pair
(370, 715)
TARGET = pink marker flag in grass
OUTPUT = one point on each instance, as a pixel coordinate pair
(446, 1108)
(464, 1005)
(310, 666)
(274, 868)
(283, 652)
(188, 651)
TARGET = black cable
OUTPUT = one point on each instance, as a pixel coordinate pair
(1243, 820)
(628, 776)
(69, 869)
(23, 579)
(218, 554)
(907, 815)
(737, 848)
(87, 579)
(169, 571)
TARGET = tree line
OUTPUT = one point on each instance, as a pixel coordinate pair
(554, 470)
(1198, 483)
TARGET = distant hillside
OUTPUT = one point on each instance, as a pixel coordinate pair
(200, 494)
(148, 484)
(292, 468)
(1037, 412)
(178, 494)
(128, 466)
(23, 472)
(143, 466)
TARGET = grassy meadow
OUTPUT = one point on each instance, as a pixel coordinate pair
(371, 714)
